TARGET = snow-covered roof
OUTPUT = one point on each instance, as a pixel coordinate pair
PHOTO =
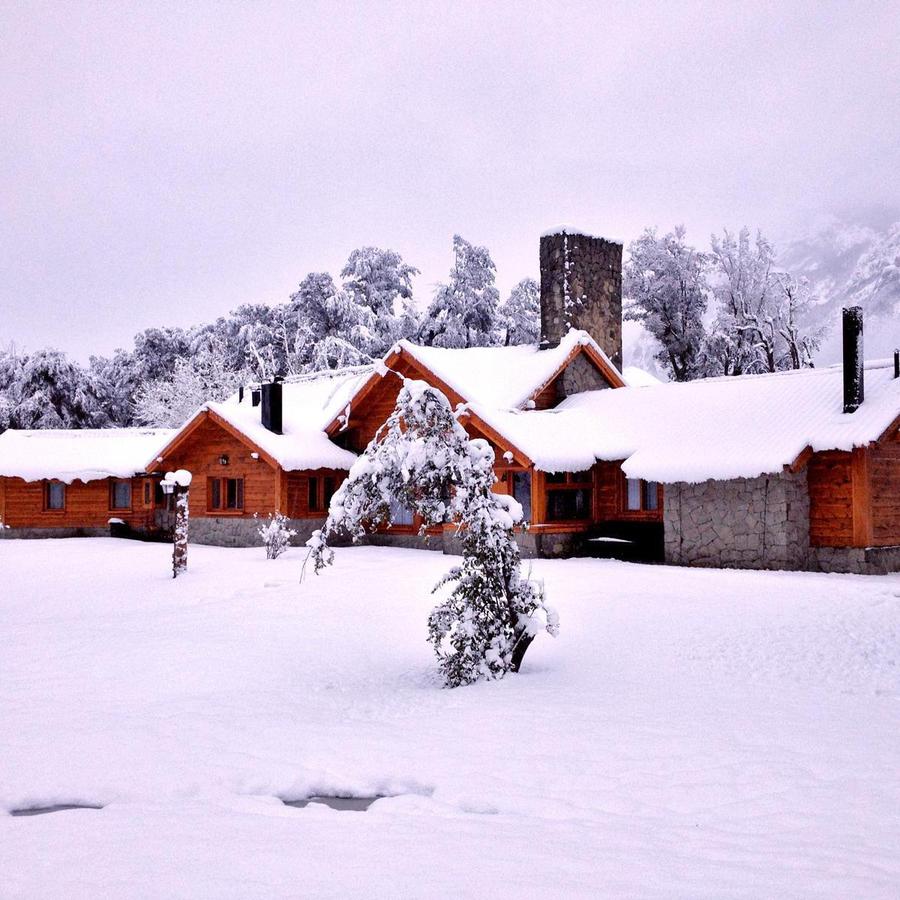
(79, 454)
(309, 404)
(500, 376)
(717, 428)
(637, 377)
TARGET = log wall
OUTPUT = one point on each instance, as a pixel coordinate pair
(200, 453)
(87, 505)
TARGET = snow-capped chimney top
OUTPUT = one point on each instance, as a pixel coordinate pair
(272, 407)
(854, 368)
(581, 287)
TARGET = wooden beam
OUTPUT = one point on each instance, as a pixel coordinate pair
(861, 485)
(799, 463)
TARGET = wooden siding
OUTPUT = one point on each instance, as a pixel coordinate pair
(884, 471)
(87, 505)
(199, 454)
(830, 480)
(296, 505)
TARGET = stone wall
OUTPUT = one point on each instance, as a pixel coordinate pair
(855, 560)
(756, 523)
(581, 287)
(579, 376)
(243, 532)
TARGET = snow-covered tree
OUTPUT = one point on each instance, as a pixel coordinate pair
(666, 289)
(422, 461)
(760, 324)
(799, 340)
(745, 334)
(46, 390)
(170, 402)
(276, 534)
(333, 330)
(463, 312)
(380, 282)
(519, 316)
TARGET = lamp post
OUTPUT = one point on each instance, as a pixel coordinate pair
(178, 484)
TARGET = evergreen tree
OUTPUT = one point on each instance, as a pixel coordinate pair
(463, 312)
(422, 461)
(520, 314)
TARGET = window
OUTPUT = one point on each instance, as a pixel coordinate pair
(54, 495)
(226, 493)
(641, 496)
(570, 499)
(313, 495)
(633, 502)
(148, 492)
(400, 515)
(521, 484)
(328, 492)
(120, 494)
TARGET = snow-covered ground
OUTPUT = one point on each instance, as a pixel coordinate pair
(690, 733)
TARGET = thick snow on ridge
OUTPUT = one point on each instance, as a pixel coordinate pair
(734, 735)
(714, 428)
(499, 376)
(79, 454)
(309, 405)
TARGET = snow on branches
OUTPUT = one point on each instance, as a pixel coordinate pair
(423, 463)
(276, 534)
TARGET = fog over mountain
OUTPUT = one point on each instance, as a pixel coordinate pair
(850, 263)
(849, 260)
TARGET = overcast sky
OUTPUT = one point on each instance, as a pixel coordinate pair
(160, 164)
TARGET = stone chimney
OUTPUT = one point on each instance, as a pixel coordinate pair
(581, 287)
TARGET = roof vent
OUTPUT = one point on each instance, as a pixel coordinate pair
(254, 397)
(854, 370)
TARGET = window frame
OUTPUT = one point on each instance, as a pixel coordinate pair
(112, 495)
(573, 483)
(645, 511)
(217, 488)
(46, 494)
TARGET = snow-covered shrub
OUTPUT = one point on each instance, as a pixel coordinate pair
(275, 534)
(423, 461)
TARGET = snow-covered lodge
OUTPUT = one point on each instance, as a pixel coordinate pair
(759, 471)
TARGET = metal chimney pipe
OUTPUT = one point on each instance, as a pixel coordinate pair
(272, 407)
(854, 370)
(897, 364)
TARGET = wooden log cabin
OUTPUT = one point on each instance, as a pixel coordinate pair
(57, 483)
(783, 471)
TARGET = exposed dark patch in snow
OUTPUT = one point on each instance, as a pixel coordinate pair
(56, 807)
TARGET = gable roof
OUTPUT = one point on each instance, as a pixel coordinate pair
(309, 403)
(78, 454)
(717, 428)
(507, 377)
(495, 377)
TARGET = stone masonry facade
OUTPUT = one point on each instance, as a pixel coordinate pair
(754, 523)
(757, 523)
(239, 532)
(580, 375)
(581, 287)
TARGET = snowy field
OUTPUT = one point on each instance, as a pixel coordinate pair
(689, 734)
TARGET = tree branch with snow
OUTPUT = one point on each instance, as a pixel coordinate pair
(422, 462)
